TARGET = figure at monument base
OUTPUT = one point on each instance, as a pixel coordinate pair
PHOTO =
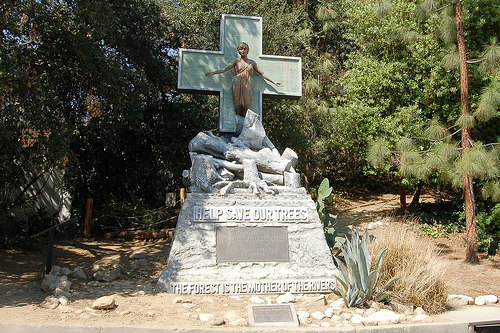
(247, 162)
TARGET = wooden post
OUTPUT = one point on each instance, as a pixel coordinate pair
(183, 196)
(88, 217)
(50, 251)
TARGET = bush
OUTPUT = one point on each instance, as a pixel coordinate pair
(488, 231)
(423, 274)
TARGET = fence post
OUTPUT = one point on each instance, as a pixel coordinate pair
(88, 217)
(50, 251)
(183, 196)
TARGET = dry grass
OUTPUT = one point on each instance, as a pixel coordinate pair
(424, 275)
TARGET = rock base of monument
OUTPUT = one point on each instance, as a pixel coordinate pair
(248, 244)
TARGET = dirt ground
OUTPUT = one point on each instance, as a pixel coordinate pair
(138, 305)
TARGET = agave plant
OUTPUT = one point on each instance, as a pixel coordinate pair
(356, 277)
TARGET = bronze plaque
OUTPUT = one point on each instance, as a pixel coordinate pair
(272, 315)
(252, 244)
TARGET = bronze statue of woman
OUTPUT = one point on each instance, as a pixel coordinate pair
(242, 81)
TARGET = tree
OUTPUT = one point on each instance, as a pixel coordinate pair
(83, 88)
(440, 157)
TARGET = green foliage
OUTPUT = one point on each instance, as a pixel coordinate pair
(17, 231)
(86, 86)
(488, 225)
(436, 222)
(331, 233)
(357, 278)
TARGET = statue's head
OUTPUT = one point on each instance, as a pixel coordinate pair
(244, 45)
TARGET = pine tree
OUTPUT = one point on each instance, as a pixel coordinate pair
(441, 156)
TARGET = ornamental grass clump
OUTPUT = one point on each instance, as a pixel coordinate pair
(424, 275)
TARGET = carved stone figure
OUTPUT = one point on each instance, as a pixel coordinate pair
(249, 161)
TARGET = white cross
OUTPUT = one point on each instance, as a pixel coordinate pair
(193, 64)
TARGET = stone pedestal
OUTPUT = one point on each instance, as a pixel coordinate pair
(248, 244)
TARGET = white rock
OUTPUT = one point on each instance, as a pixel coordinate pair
(370, 321)
(63, 300)
(268, 300)
(216, 321)
(340, 303)
(383, 317)
(471, 301)
(329, 312)
(231, 316)
(346, 316)
(489, 299)
(286, 298)
(318, 315)
(303, 317)
(336, 318)
(104, 303)
(419, 311)
(50, 302)
(479, 301)
(422, 318)
(325, 324)
(206, 316)
(256, 300)
(65, 271)
(456, 301)
(356, 320)
(187, 305)
(359, 311)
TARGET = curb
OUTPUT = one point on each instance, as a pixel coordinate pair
(412, 328)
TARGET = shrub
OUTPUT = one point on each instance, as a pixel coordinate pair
(423, 273)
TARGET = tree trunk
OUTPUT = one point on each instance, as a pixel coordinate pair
(470, 209)
(402, 195)
(415, 201)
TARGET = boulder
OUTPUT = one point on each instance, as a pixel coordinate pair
(356, 320)
(303, 317)
(216, 321)
(50, 302)
(456, 301)
(104, 303)
(383, 317)
(318, 315)
(79, 274)
(489, 299)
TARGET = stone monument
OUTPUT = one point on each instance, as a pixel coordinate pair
(247, 226)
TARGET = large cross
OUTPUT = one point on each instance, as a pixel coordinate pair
(193, 64)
